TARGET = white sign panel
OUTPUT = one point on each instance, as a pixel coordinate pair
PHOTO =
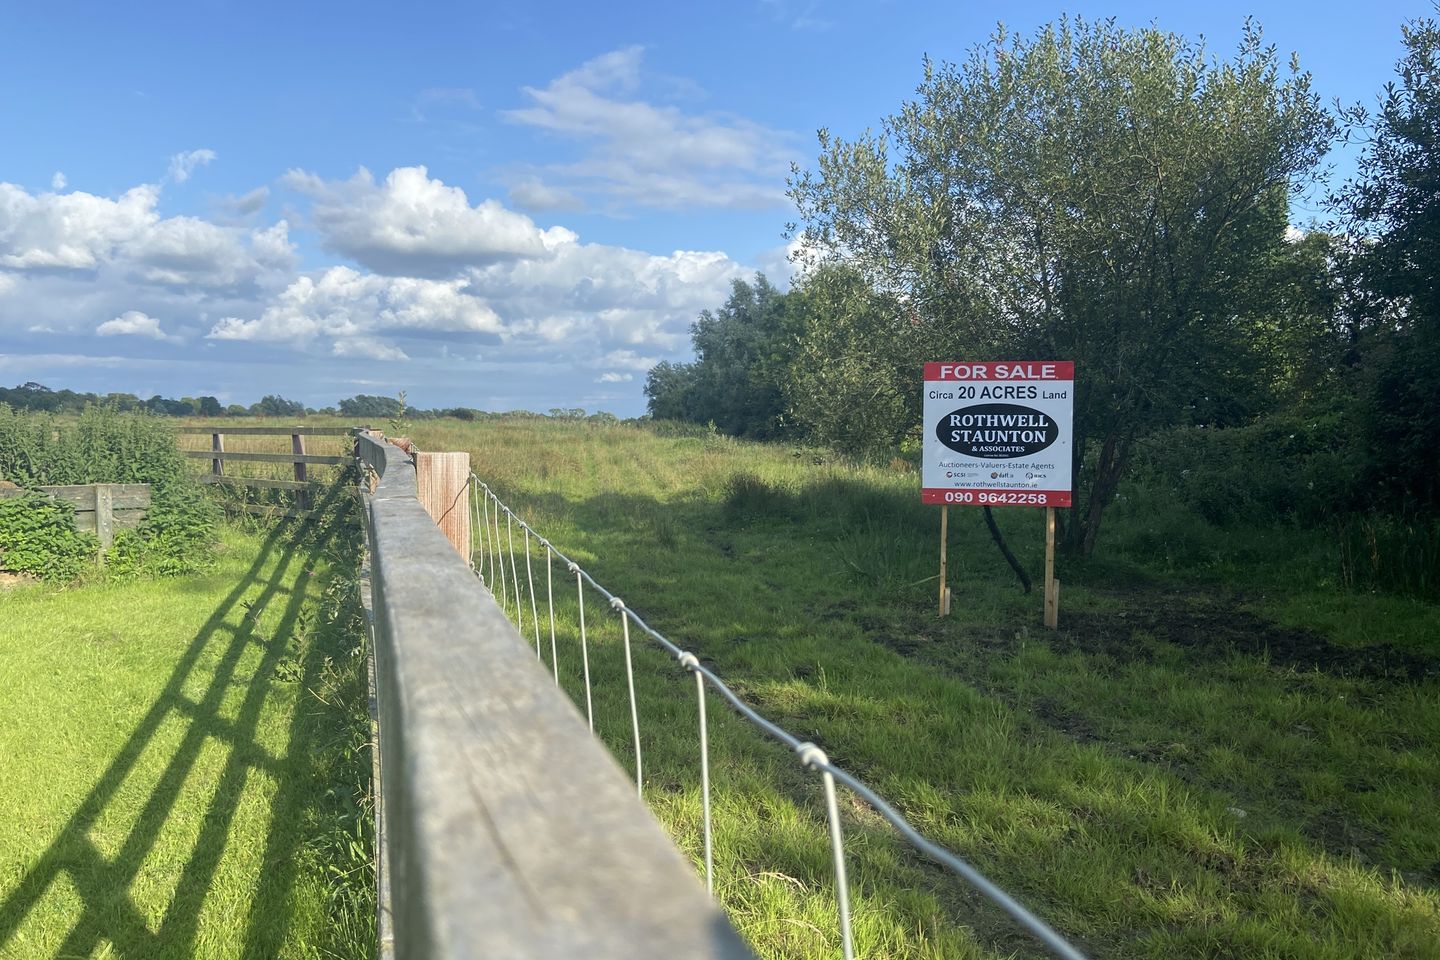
(999, 434)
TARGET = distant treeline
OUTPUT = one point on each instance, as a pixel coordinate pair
(39, 398)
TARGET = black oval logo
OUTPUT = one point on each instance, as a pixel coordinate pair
(997, 431)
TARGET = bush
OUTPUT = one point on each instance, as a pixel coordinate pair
(103, 445)
(38, 537)
(1281, 468)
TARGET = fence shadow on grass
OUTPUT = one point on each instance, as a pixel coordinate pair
(110, 914)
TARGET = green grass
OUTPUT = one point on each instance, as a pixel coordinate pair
(1221, 753)
(185, 761)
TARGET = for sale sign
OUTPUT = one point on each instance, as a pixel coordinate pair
(999, 434)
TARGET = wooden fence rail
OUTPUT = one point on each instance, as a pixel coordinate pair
(100, 508)
(302, 486)
(509, 830)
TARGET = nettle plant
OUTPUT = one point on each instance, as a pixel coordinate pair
(102, 445)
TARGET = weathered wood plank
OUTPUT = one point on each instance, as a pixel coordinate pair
(232, 481)
(123, 496)
(104, 516)
(442, 485)
(230, 431)
(266, 457)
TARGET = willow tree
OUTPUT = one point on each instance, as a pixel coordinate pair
(1115, 197)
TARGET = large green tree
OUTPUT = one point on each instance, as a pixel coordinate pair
(743, 351)
(1391, 218)
(1110, 196)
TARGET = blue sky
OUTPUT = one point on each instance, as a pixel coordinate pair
(493, 206)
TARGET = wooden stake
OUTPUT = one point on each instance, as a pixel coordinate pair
(1052, 586)
(944, 542)
(442, 487)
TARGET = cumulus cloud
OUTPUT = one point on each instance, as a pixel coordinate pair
(552, 315)
(182, 165)
(72, 231)
(133, 323)
(58, 181)
(127, 236)
(344, 304)
(652, 155)
(411, 224)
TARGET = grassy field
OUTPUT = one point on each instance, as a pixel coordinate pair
(1219, 754)
(182, 761)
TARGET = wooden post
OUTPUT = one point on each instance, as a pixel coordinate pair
(1052, 586)
(442, 483)
(217, 445)
(944, 543)
(297, 446)
(104, 516)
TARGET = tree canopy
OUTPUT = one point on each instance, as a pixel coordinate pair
(1114, 197)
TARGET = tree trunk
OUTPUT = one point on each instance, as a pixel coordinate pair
(1005, 549)
(1108, 470)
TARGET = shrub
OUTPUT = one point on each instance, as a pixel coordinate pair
(104, 445)
(38, 537)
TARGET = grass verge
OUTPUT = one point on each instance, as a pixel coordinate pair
(186, 770)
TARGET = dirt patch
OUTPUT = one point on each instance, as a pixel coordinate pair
(9, 581)
(1212, 628)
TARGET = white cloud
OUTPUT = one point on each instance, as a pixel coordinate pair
(342, 303)
(73, 231)
(413, 225)
(127, 236)
(133, 323)
(182, 165)
(58, 181)
(368, 349)
(649, 155)
(610, 376)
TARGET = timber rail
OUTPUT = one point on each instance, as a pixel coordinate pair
(507, 829)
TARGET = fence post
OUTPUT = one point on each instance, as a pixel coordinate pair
(217, 445)
(104, 516)
(442, 481)
(297, 446)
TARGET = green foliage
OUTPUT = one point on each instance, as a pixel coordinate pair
(175, 536)
(103, 445)
(1109, 196)
(365, 406)
(743, 355)
(1279, 468)
(38, 537)
(1393, 263)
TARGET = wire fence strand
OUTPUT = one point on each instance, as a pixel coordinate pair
(811, 756)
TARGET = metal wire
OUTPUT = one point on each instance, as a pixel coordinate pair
(619, 605)
(686, 661)
(811, 756)
(514, 576)
(534, 611)
(550, 601)
(584, 646)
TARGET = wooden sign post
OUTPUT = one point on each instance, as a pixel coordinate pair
(944, 543)
(1052, 586)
